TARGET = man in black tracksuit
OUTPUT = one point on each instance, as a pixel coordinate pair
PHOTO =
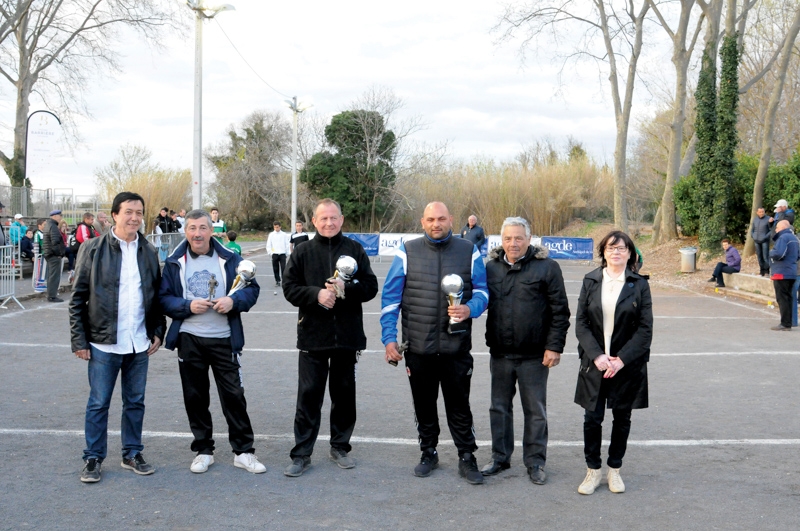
(526, 329)
(330, 334)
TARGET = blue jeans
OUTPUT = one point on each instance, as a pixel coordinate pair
(795, 288)
(762, 253)
(103, 371)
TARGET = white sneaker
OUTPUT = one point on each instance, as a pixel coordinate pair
(590, 482)
(201, 463)
(250, 463)
(615, 483)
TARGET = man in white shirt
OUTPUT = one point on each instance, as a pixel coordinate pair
(278, 248)
(181, 218)
(116, 323)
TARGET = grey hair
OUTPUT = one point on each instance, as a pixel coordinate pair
(198, 213)
(516, 222)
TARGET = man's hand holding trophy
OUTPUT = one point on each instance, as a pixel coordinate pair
(453, 287)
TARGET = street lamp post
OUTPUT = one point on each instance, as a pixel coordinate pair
(292, 103)
(202, 12)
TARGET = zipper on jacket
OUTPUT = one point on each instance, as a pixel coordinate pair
(331, 268)
(439, 306)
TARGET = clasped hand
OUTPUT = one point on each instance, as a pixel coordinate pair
(610, 364)
(222, 305)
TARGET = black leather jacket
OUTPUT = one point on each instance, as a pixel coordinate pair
(95, 295)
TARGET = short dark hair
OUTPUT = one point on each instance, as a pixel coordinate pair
(276, 223)
(613, 237)
(213, 209)
(40, 221)
(726, 240)
(232, 235)
(123, 197)
(165, 209)
(88, 215)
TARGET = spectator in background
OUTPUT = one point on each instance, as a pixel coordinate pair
(278, 247)
(17, 229)
(784, 255)
(54, 248)
(2, 233)
(38, 238)
(177, 226)
(760, 233)
(298, 236)
(181, 218)
(64, 229)
(85, 229)
(164, 221)
(219, 226)
(26, 245)
(473, 232)
(232, 245)
(101, 224)
(782, 211)
(732, 264)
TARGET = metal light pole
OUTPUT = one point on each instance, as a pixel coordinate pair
(295, 111)
(202, 12)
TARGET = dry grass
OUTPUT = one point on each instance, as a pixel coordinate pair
(170, 188)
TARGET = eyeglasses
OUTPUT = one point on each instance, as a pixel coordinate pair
(622, 249)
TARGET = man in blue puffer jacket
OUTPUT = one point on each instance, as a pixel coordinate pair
(207, 330)
(783, 271)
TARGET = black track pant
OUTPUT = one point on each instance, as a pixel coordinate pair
(426, 372)
(278, 265)
(312, 372)
(195, 356)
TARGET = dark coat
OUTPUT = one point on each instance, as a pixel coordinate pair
(95, 291)
(53, 245)
(528, 308)
(630, 341)
(178, 308)
(308, 268)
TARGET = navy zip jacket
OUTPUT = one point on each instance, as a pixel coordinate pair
(177, 307)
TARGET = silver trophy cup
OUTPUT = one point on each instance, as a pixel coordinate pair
(245, 273)
(453, 287)
(346, 267)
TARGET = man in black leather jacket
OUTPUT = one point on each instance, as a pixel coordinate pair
(116, 323)
(53, 250)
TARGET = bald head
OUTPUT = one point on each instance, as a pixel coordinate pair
(436, 220)
(782, 225)
(472, 220)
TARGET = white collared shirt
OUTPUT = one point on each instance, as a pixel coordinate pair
(131, 330)
(612, 287)
(277, 242)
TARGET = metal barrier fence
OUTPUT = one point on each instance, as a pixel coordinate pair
(29, 202)
(7, 286)
(165, 243)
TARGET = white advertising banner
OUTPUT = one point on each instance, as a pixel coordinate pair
(389, 242)
(44, 144)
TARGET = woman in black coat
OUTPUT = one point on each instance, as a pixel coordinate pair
(614, 308)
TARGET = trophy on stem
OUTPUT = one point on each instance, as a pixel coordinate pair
(346, 267)
(453, 287)
(245, 273)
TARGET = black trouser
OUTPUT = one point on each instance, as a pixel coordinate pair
(54, 264)
(722, 268)
(312, 372)
(762, 252)
(278, 265)
(195, 356)
(531, 376)
(783, 295)
(454, 372)
(593, 433)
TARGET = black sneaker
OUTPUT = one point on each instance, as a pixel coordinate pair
(468, 469)
(91, 471)
(428, 461)
(55, 299)
(138, 465)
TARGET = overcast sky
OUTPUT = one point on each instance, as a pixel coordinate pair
(439, 56)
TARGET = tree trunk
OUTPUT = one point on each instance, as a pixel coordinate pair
(769, 128)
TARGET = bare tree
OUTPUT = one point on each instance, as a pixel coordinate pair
(611, 32)
(56, 46)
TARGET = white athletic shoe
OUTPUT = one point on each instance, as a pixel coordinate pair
(615, 483)
(201, 463)
(250, 463)
(590, 482)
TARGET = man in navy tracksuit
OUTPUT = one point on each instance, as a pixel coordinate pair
(207, 330)
(783, 272)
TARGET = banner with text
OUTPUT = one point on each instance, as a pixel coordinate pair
(569, 248)
(369, 242)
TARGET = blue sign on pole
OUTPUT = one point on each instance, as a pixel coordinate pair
(369, 242)
(569, 248)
